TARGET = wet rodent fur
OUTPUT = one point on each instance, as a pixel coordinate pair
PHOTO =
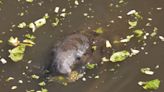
(73, 42)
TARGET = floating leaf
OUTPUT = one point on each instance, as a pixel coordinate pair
(14, 41)
(17, 53)
(32, 26)
(127, 39)
(104, 59)
(131, 12)
(29, 1)
(134, 52)
(94, 48)
(90, 66)
(44, 90)
(42, 83)
(28, 42)
(22, 25)
(150, 85)
(35, 76)
(138, 32)
(30, 36)
(132, 23)
(1, 41)
(154, 33)
(56, 22)
(147, 71)
(38, 23)
(99, 30)
(9, 79)
(135, 14)
(119, 56)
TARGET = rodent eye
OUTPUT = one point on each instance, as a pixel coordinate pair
(78, 58)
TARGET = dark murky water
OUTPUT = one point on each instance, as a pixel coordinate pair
(105, 14)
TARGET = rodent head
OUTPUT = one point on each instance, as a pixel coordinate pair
(64, 68)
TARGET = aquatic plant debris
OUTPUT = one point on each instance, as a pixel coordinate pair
(134, 52)
(17, 53)
(30, 36)
(104, 59)
(154, 33)
(26, 15)
(94, 48)
(138, 32)
(42, 83)
(132, 24)
(119, 56)
(9, 79)
(56, 22)
(29, 1)
(14, 41)
(28, 42)
(99, 30)
(1, 41)
(38, 23)
(136, 17)
(34, 76)
(14, 87)
(108, 44)
(127, 39)
(42, 90)
(3, 60)
(150, 85)
(90, 66)
(161, 38)
(147, 71)
(22, 25)
(135, 14)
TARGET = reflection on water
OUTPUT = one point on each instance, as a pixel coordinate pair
(75, 16)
